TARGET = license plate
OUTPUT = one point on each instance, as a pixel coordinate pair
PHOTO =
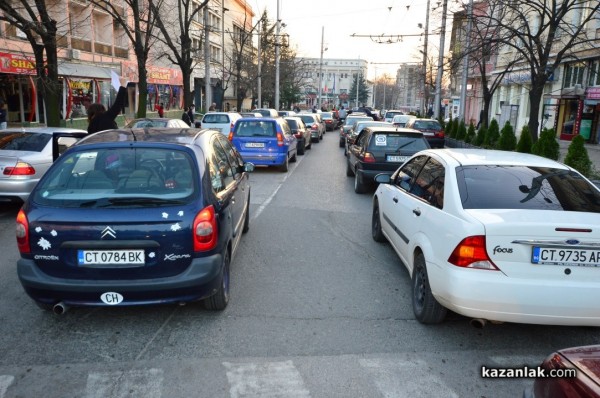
(395, 158)
(255, 145)
(560, 256)
(102, 257)
(428, 134)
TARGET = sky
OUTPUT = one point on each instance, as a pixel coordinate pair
(304, 20)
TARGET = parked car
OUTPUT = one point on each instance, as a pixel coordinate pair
(135, 217)
(265, 141)
(431, 129)
(156, 122)
(286, 113)
(267, 112)
(401, 120)
(357, 128)
(312, 121)
(301, 132)
(331, 122)
(220, 121)
(369, 112)
(250, 114)
(569, 373)
(380, 150)
(25, 156)
(389, 115)
(488, 234)
(351, 120)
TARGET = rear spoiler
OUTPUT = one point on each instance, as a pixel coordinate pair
(63, 141)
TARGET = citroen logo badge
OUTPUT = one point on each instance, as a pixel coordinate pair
(108, 231)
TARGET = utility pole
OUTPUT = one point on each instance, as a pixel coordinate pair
(465, 72)
(259, 80)
(357, 81)
(223, 9)
(207, 90)
(321, 68)
(438, 81)
(423, 85)
(277, 49)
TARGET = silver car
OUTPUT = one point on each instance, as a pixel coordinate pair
(157, 122)
(25, 155)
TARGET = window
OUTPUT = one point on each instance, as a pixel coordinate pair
(429, 185)
(573, 74)
(594, 74)
(406, 175)
(234, 157)
(221, 174)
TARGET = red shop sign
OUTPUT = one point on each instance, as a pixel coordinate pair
(16, 64)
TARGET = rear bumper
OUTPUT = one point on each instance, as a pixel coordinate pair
(265, 159)
(198, 281)
(16, 190)
(435, 142)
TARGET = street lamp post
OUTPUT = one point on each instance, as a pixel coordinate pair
(424, 83)
(277, 49)
(319, 100)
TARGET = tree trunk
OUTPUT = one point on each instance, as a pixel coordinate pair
(142, 87)
(535, 98)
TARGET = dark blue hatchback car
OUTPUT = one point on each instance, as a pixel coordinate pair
(132, 217)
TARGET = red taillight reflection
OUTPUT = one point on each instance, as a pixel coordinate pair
(205, 229)
(23, 232)
(471, 253)
(20, 169)
(230, 136)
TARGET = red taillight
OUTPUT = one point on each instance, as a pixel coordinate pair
(471, 253)
(231, 135)
(314, 126)
(368, 157)
(205, 229)
(20, 169)
(439, 134)
(279, 139)
(23, 232)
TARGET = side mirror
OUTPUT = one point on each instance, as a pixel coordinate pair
(383, 178)
(248, 167)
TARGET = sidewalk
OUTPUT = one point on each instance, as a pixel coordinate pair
(593, 151)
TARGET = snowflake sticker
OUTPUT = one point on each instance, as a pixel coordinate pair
(180, 213)
(151, 254)
(44, 244)
(38, 229)
(53, 233)
(165, 215)
(175, 227)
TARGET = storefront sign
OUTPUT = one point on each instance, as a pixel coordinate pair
(592, 93)
(156, 75)
(16, 64)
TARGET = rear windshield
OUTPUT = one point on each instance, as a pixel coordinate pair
(24, 141)
(255, 128)
(215, 119)
(264, 112)
(392, 114)
(427, 124)
(147, 123)
(327, 115)
(292, 123)
(351, 121)
(396, 142)
(123, 177)
(535, 188)
(308, 119)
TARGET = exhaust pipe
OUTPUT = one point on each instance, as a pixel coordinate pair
(60, 308)
(478, 323)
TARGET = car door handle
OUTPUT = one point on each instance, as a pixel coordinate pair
(417, 212)
(395, 199)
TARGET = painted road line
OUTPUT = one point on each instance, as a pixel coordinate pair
(121, 384)
(267, 379)
(5, 382)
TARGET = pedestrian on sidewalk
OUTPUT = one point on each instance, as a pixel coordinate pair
(3, 115)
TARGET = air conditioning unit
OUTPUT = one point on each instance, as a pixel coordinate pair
(74, 53)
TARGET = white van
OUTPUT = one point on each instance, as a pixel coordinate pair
(220, 121)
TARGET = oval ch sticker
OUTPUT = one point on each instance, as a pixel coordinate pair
(380, 140)
(111, 298)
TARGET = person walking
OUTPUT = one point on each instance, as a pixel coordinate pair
(213, 107)
(159, 108)
(186, 117)
(191, 115)
(3, 114)
(99, 118)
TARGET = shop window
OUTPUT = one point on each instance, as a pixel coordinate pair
(82, 94)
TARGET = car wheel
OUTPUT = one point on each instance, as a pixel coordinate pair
(376, 232)
(286, 165)
(219, 300)
(359, 185)
(349, 171)
(309, 143)
(246, 226)
(425, 306)
(342, 143)
(301, 144)
(293, 158)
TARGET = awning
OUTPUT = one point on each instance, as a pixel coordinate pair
(83, 70)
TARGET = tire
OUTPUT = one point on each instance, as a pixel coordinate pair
(426, 308)
(342, 143)
(359, 185)
(286, 165)
(295, 157)
(321, 136)
(309, 143)
(349, 171)
(219, 300)
(376, 232)
(246, 226)
(301, 144)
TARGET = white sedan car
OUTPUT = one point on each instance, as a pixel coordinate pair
(494, 235)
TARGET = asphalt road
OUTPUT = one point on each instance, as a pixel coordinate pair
(318, 309)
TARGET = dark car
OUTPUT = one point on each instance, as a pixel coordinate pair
(381, 150)
(313, 122)
(574, 373)
(369, 112)
(135, 217)
(330, 119)
(431, 129)
(301, 132)
(349, 123)
(358, 127)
